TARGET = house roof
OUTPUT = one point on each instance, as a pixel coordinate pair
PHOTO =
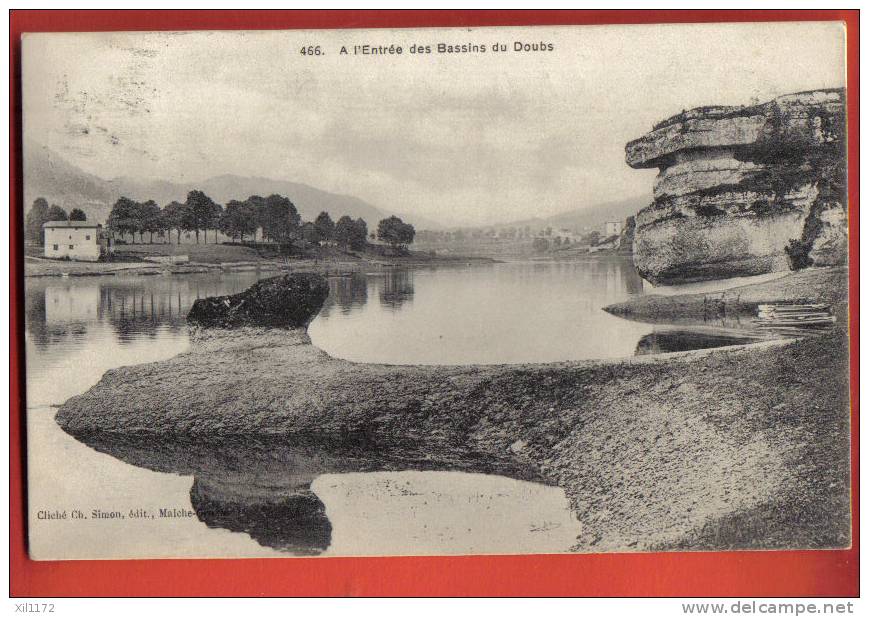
(82, 224)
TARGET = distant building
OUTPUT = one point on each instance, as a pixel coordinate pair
(612, 228)
(78, 240)
(568, 234)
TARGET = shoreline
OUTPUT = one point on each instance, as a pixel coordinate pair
(73, 269)
(814, 285)
(39, 268)
(700, 450)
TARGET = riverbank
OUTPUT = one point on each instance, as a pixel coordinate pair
(737, 447)
(228, 259)
(814, 285)
(568, 255)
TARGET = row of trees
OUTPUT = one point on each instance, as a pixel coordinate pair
(349, 233)
(199, 213)
(41, 213)
(275, 215)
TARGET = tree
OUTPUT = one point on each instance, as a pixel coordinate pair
(189, 222)
(324, 226)
(205, 213)
(214, 219)
(360, 235)
(125, 217)
(77, 214)
(174, 216)
(797, 252)
(37, 216)
(56, 213)
(279, 219)
(151, 221)
(258, 206)
(395, 232)
(238, 219)
(540, 245)
(309, 232)
(344, 230)
(351, 234)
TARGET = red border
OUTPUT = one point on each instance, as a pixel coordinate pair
(799, 573)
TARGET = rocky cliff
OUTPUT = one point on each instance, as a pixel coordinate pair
(744, 190)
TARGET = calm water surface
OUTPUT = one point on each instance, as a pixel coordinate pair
(311, 503)
(504, 313)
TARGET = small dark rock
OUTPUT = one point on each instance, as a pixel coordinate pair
(289, 301)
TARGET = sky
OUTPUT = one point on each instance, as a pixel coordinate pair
(459, 138)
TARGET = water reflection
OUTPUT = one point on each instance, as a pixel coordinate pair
(349, 292)
(397, 289)
(55, 314)
(135, 306)
(502, 313)
(667, 341)
(79, 327)
(61, 311)
(489, 314)
(76, 329)
(293, 523)
(263, 488)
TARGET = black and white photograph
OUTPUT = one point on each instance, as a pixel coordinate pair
(438, 291)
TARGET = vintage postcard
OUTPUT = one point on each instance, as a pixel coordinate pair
(436, 291)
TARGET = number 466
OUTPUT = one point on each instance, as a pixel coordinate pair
(311, 50)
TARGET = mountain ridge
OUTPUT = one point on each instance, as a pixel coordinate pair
(578, 219)
(48, 174)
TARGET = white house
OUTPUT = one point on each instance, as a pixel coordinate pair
(77, 240)
(612, 228)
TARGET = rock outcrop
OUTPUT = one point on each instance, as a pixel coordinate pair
(289, 301)
(742, 189)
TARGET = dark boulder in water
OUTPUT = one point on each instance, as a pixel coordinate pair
(289, 301)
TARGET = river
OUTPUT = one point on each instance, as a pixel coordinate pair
(249, 501)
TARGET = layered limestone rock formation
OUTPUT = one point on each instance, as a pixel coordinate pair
(744, 190)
